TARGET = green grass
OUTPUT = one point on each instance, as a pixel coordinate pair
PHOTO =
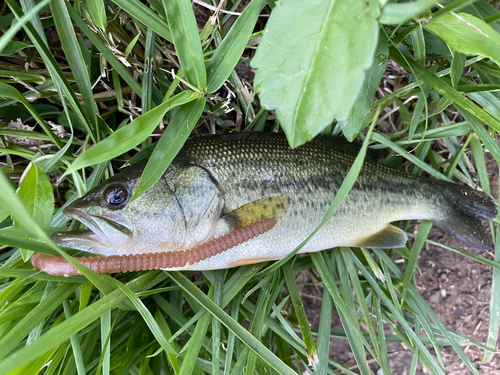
(110, 72)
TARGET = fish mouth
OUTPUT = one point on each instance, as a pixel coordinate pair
(106, 232)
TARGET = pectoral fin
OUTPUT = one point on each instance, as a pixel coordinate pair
(265, 208)
(389, 237)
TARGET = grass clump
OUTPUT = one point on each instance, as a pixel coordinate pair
(134, 80)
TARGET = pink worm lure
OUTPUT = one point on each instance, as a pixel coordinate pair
(58, 266)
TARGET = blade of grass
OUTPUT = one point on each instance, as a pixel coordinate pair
(323, 341)
(353, 275)
(350, 321)
(148, 318)
(53, 67)
(229, 51)
(494, 305)
(184, 32)
(216, 326)
(104, 50)
(62, 332)
(195, 343)
(76, 61)
(446, 90)
(146, 16)
(293, 290)
(170, 144)
(482, 171)
(9, 35)
(37, 315)
(423, 233)
(262, 351)
(130, 135)
(75, 343)
(11, 93)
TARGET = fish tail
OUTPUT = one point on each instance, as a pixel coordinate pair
(468, 209)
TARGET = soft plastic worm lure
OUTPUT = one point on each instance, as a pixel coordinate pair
(58, 266)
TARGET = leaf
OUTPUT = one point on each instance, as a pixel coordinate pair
(184, 31)
(97, 13)
(265, 355)
(7, 37)
(364, 101)
(103, 49)
(316, 75)
(12, 93)
(14, 47)
(170, 144)
(229, 52)
(145, 15)
(396, 13)
(37, 196)
(130, 135)
(305, 329)
(467, 34)
(76, 61)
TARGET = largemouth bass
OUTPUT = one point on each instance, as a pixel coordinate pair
(218, 184)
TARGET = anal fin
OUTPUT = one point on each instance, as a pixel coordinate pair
(388, 237)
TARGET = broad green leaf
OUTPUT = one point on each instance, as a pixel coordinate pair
(170, 143)
(364, 101)
(229, 52)
(315, 76)
(467, 34)
(37, 195)
(186, 39)
(130, 135)
(97, 12)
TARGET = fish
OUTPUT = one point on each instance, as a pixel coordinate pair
(220, 186)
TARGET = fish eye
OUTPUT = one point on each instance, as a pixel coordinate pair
(116, 196)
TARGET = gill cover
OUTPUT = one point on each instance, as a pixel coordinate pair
(180, 211)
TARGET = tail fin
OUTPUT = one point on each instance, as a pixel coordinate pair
(469, 208)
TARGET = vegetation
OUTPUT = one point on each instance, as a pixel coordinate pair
(88, 86)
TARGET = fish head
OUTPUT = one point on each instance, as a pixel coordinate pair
(178, 212)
